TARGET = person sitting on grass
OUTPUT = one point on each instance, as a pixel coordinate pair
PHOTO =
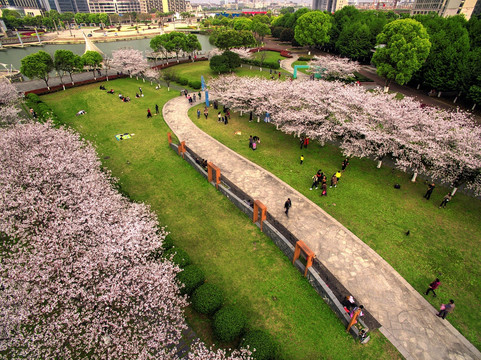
(111, 91)
(102, 87)
(137, 95)
(81, 112)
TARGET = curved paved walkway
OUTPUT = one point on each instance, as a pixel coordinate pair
(286, 64)
(407, 319)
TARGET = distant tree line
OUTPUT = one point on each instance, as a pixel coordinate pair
(452, 61)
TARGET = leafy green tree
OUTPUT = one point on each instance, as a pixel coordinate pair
(446, 64)
(261, 29)
(159, 44)
(67, 61)
(228, 39)
(191, 44)
(403, 46)
(176, 42)
(286, 10)
(242, 23)
(37, 65)
(67, 16)
(313, 28)
(226, 62)
(81, 18)
(287, 35)
(92, 59)
(474, 29)
(354, 41)
(104, 19)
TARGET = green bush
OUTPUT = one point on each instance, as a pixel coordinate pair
(229, 323)
(305, 58)
(33, 98)
(262, 342)
(195, 84)
(182, 81)
(168, 242)
(207, 299)
(180, 258)
(192, 277)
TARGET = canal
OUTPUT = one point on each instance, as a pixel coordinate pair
(15, 55)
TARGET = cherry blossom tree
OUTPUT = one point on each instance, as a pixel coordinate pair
(440, 144)
(77, 279)
(9, 98)
(334, 67)
(129, 60)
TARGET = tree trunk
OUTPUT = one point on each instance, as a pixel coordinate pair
(168, 88)
(379, 164)
(415, 175)
(473, 107)
(386, 89)
(454, 191)
(417, 87)
(241, 113)
(258, 118)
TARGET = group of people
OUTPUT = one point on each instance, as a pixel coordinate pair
(191, 98)
(445, 309)
(225, 117)
(321, 178)
(124, 98)
(201, 162)
(447, 198)
(253, 141)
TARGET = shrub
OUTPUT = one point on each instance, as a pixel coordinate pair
(207, 298)
(192, 277)
(262, 342)
(182, 81)
(168, 243)
(305, 58)
(195, 84)
(229, 322)
(33, 98)
(180, 258)
(218, 64)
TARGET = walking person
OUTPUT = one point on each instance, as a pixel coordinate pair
(140, 90)
(324, 188)
(251, 141)
(301, 141)
(338, 175)
(345, 163)
(430, 191)
(446, 199)
(250, 116)
(194, 97)
(219, 117)
(156, 108)
(287, 206)
(448, 308)
(333, 180)
(206, 112)
(315, 181)
(198, 113)
(200, 96)
(306, 141)
(433, 286)
(355, 314)
(149, 114)
(302, 159)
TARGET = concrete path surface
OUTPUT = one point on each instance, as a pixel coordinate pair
(407, 319)
(286, 64)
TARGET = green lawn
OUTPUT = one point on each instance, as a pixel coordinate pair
(201, 68)
(271, 56)
(301, 63)
(234, 254)
(441, 241)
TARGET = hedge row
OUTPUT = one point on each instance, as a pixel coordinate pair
(43, 111)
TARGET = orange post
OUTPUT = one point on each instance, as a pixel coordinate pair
(210, 168)
(307, 252)
(258, 205)
(169, 137)
(181, 148)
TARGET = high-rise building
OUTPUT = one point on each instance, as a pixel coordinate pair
(444, 7)
(33, 4)
(328, 5)
(62, 6)
(114, 6)
(162, 5)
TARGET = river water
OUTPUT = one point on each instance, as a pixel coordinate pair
(15, 55)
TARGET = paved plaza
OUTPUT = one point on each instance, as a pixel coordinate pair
(408, 320)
